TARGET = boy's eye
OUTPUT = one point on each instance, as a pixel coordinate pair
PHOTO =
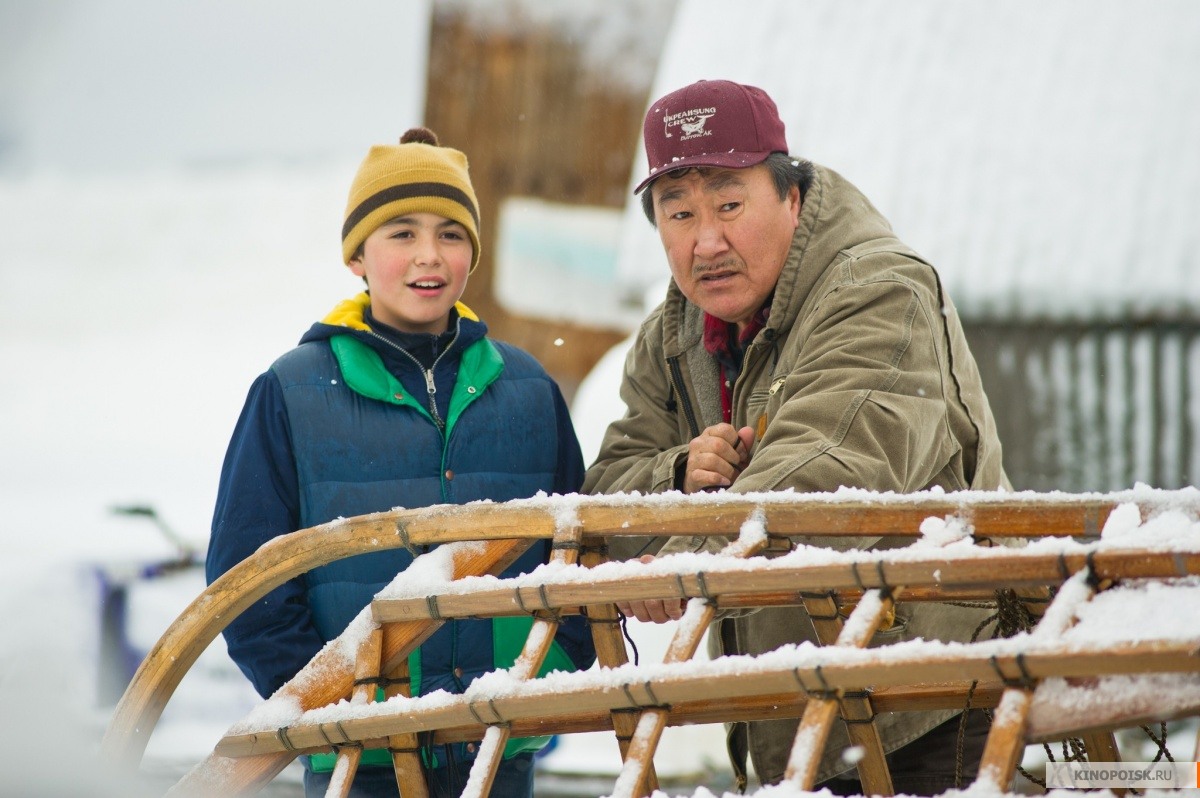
(402, 234)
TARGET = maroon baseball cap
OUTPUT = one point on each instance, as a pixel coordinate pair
(711, 123)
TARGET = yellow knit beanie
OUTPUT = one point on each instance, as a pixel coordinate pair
(413, 176)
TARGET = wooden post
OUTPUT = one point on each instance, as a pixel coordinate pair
(567, 542)
(874, 609)
(406, 754)
(366, 679)
(1006, 740)
(691, 629)
(611, 653)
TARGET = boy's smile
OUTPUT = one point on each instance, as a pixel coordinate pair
(416, 268)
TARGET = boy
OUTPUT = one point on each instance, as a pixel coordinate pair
(396, 398)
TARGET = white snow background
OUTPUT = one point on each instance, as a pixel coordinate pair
(171, 188)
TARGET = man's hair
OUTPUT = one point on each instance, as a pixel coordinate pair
(785, 170)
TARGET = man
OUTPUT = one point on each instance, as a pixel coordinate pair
(801, 345)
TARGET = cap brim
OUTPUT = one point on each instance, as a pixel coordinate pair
(721, 160)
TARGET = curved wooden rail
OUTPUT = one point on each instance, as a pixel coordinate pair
(275, 563)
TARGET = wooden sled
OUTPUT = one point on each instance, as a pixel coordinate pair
(848, 595)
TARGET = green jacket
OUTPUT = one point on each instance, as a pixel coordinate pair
(862, 378)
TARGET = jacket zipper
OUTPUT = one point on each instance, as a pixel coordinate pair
(430, 387)
(677, 382)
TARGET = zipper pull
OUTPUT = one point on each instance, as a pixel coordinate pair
(431, 389)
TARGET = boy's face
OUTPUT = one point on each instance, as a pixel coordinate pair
(416, 268)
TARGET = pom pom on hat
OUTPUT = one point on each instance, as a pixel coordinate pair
(417, 175)
(420, 135)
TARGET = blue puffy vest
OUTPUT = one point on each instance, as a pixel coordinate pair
(363, 444)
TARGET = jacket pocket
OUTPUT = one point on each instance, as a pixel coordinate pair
(756, 411)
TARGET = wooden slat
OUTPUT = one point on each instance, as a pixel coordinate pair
(406, 759)
(873, 771)
(648, 731)
(366, 676)
(1101, 746)
(763, 707)
(773, 580)
(766, 706)
(684, 643)
(1006, 739)
(567, 540)
(991, 515)
(705, 678)
(872, 612)
(1107, 720)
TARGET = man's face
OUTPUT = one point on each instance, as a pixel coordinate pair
(726, 233)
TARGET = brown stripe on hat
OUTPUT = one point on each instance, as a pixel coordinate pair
(408, 191)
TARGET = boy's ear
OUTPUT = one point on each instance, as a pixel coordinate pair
(356, 267)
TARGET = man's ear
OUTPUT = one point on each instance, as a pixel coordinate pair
(794, 204)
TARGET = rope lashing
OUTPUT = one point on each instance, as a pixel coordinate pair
(405, 540)
(1024, 680)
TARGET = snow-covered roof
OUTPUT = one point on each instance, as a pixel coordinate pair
(1043, 155)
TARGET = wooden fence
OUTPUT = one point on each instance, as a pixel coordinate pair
(1094, 406)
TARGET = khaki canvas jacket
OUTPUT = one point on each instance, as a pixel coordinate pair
(862, 377)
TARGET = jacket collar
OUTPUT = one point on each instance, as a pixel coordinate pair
(350, 316)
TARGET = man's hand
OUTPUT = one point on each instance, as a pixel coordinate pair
(716, 457)
(655, 610)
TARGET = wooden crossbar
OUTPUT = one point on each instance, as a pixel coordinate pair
(832, 670)
(937, 574)
(366, 673)
(611, 653)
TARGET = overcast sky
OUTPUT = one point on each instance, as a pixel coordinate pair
(115, 85)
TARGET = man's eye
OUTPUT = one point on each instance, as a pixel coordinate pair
(681, 215)
(730, 206)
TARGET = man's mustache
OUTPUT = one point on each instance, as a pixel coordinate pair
(728, 264)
